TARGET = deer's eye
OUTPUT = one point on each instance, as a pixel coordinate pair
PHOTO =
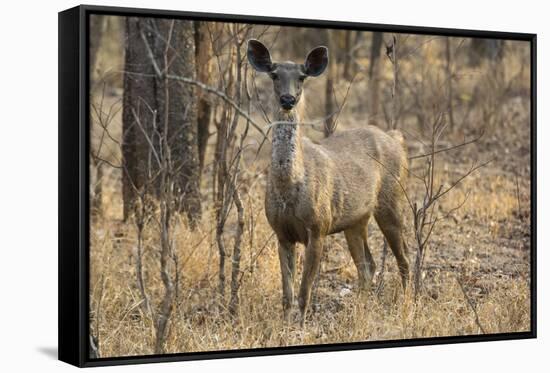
(274, 76)
(302, 78)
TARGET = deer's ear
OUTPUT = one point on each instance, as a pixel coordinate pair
(259, 56)
(316, 61)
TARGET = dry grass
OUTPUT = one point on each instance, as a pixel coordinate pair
(200, 321)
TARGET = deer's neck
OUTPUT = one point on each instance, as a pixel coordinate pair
(287, 164)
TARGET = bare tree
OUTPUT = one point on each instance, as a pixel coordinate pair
(158, 214)
(160, 161)
(426, 207)
(226, 168)
(228, 159)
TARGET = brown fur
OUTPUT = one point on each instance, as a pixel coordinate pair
(315, 190)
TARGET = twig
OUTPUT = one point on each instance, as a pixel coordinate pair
(518, 195)
(255, 259)
(471, 304)
(344, 101)
(162, 74)
(223, 96)
(380, 285)
(450, 148)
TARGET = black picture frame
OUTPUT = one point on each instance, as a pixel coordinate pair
(74, 178)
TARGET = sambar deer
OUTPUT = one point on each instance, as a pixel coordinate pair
(335, 185)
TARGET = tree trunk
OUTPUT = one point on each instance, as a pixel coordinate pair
(374, 74)
(150, 101)
(205, 69)
(140, 93)
(481, 49)
(181, 113)
(330, 100)
(348, 56)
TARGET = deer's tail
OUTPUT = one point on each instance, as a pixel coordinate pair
(404, 160)
(397, 135)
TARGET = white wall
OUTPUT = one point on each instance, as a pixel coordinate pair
(28, 182)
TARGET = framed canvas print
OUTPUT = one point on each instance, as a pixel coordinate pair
(234, 186)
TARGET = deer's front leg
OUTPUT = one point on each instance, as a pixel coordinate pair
(287, 259)
(312, 262)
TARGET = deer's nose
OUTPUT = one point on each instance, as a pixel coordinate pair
(287, 101)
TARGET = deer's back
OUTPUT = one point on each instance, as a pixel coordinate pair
(357, 170)
(369, 149)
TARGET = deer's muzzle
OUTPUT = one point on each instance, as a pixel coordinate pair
(287, 101)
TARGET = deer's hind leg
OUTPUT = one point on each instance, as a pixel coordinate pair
(391, 224)
(357, 244)
(368, 256)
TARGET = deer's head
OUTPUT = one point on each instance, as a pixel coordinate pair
(288, 77)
